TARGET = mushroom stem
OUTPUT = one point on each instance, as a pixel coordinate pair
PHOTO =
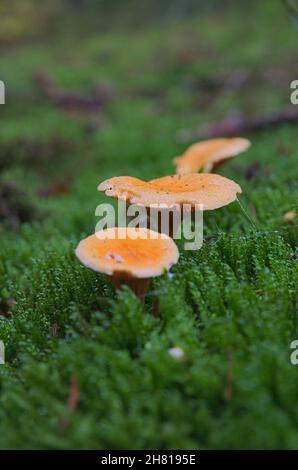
(163, 215)
(138, 286)
(219, 164)
(169, 230)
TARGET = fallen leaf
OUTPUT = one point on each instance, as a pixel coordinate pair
(228, 390)
(237, 123)
(252, 171)
(72, 402)
(282, 149)
(57, 189)
(6, 305)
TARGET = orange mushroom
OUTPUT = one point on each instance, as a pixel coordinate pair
(130, 256)
(210, 191)
(290, 216)
(207, 155)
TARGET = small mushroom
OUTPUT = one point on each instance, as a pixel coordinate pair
(290, 216)
(207, 155)
(130, 256)
(169, 193)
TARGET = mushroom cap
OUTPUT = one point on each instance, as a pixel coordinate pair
(132, 252)
(290, 216)
(210, 190)
(204, 156)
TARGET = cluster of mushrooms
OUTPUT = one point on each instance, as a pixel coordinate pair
(134, 255)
